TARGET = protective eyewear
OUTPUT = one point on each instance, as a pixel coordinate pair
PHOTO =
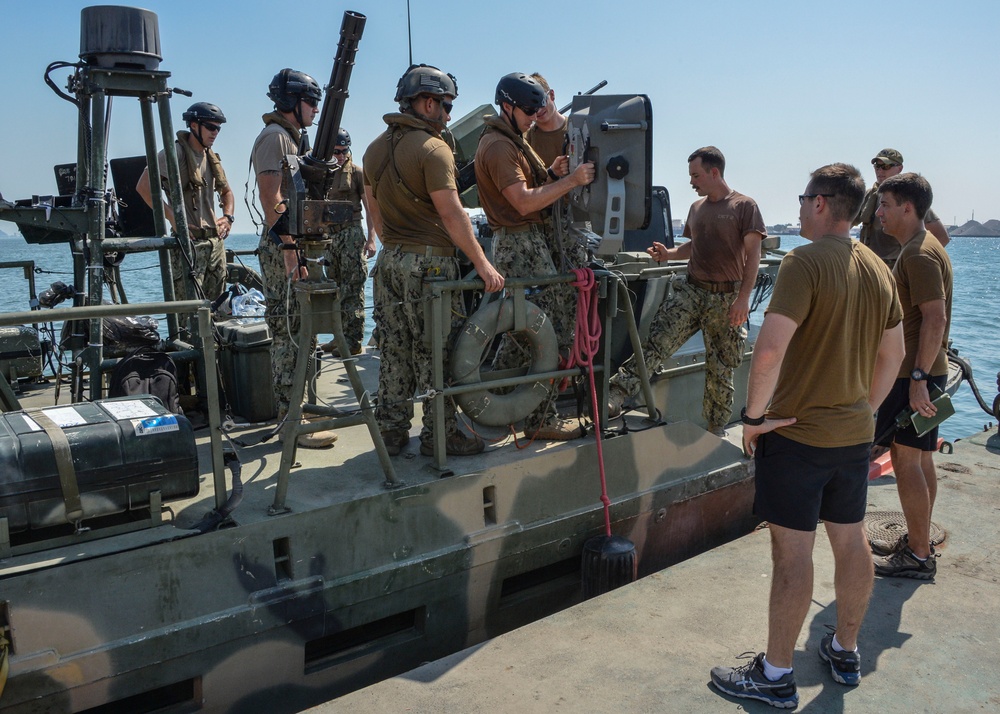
(311, 101)
(881, 165)
(804, 196)
(211, 127)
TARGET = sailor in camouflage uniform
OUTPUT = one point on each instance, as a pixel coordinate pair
(515, 189)
(413, 196)
(888, 163)
(202, 177)
(349, 249)
(725, 229)
(296, 98)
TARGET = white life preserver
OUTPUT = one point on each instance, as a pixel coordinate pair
(476, 336)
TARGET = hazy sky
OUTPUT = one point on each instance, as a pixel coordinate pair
(781, 87)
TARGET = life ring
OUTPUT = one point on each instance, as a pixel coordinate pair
(478, 333)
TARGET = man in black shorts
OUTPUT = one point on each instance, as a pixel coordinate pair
(924, 280)
(827, 353)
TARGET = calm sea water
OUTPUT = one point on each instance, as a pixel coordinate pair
(973, 330)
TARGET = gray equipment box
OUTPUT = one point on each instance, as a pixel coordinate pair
(20, 352)
(122, 449)
(245, 362)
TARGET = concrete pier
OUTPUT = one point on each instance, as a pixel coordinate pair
(648, 647)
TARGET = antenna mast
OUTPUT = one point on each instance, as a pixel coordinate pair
(409, 34)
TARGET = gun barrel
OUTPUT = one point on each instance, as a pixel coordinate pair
(336, 91)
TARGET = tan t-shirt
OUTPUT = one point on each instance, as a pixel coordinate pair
(423, 163)
(547, 144)
(716, 230)
(270, 148)
(843, 298)
(499, 164)
(923, 273)
(199, 204)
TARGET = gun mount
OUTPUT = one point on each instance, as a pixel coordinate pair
(309, 178)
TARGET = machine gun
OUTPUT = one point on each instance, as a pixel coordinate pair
(309, 178)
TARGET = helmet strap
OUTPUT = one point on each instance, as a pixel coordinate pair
(197, 133)
(509, 116)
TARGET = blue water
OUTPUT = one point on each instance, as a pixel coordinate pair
(973, 330)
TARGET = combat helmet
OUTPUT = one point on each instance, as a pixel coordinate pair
(289, 86)
(203, 111)
(424, 79)
(521, 91)
(343, 138)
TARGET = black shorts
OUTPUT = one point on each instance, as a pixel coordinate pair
(798, 484)
(898, 401)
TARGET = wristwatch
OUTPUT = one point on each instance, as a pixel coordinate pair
(919, 375)
(229, 218)
(748, 421)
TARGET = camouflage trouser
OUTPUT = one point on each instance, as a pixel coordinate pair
(209, 269)
(349, 269)
(521, 255)
(282, 319)
(678, 318)
(404, 339)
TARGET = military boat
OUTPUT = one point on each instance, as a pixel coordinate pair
(151, 563)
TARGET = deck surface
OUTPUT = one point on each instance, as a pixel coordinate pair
(648, 647)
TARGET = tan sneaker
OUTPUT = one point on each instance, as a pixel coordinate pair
(555, 429)
(316, 440)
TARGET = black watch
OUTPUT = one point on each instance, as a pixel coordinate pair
(748, 421)
(919, 375)
(229, 218)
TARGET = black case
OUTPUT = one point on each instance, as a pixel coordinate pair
(118, 460)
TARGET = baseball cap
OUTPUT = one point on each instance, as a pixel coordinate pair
(889, 156)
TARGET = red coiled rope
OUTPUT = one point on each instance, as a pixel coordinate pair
(585, 345)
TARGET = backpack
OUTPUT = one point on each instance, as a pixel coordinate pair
(147, 372)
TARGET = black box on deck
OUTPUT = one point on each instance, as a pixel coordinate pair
(20, 352)
(122, 450)
(245, 362)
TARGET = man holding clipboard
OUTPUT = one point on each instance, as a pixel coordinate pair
(924, 280)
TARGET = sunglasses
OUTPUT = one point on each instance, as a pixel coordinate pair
(340, 152)
(211, 127)
(445, 104)
(804, 196)
(882, 165)
(529, 112)
(312, 102)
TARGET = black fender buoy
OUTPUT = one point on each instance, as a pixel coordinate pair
(476, 336)
(608, 562)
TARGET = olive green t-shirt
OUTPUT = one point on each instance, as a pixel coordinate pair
(547, 144)
(843, 298)
(349, 186)
(404, 166)
(716, 230)
(923, 273)
(872, 235)
(499, 164)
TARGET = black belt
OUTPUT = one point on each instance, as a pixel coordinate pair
(723, 287)
(430, 251)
